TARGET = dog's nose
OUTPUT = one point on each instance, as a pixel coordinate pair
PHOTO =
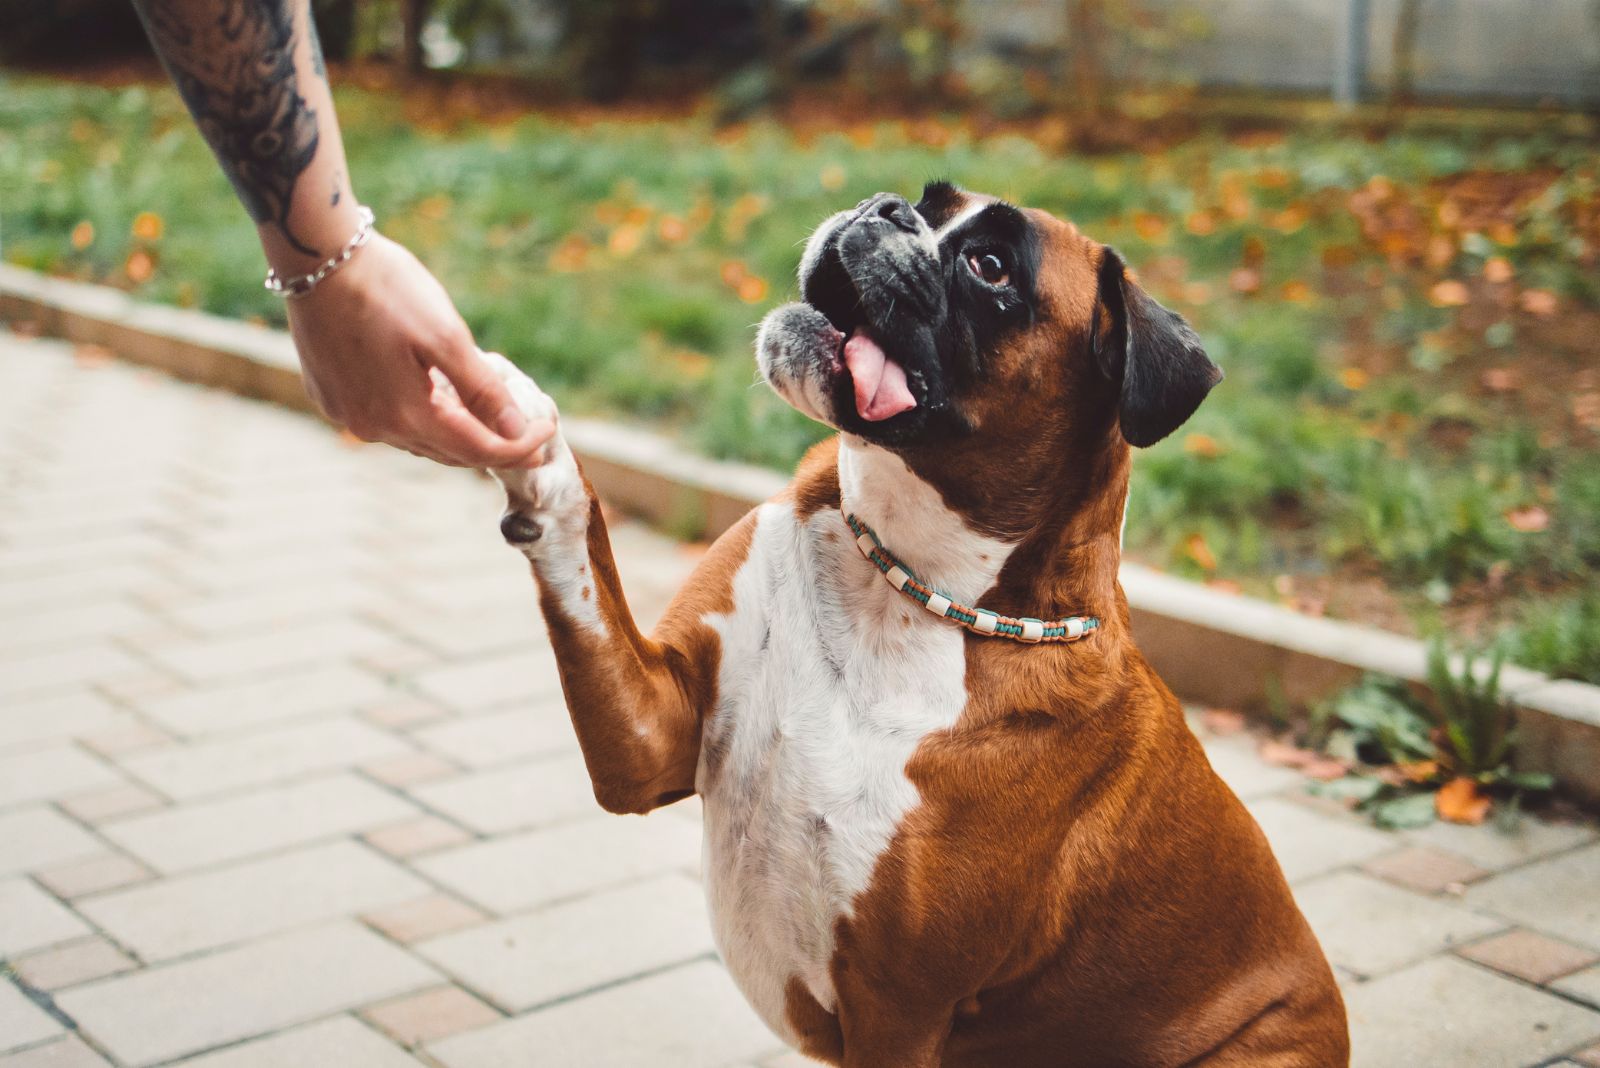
(519, 529)
(893, 207)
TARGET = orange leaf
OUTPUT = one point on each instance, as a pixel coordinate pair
(1244, 280)
(147, 226)
(753, 289)
(1539, 302)
(733, 272)
(1497, 269)
(1222, 720)
(1285, 755)
(1324, 769)
(1500, 379)
(1448, 294)
(1150, 226)
(1418, 770)
(1296, 292)
(1461, 801)
(1202, 445)
(1354, 378)
(140, 267)
(83, 235)
(1198, 551)
(1529, 520)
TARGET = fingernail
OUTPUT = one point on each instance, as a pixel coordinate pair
(510, 423)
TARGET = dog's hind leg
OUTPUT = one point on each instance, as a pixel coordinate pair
(636, 702)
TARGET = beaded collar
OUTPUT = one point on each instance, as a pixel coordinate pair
(977, 620)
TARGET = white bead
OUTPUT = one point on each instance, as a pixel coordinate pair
(897, 577)
(986, 621)
(938, 603)
(1074, 628)
(866, 544)
(1032, 630)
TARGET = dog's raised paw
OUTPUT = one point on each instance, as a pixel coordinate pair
(549, 496)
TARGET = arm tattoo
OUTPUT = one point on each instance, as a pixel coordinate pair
(233, 63)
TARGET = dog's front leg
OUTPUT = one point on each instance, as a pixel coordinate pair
(636, 703)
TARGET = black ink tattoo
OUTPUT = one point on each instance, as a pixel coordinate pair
(233, 63)
(338, 189)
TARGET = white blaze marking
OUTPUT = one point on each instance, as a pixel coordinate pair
(828, 682)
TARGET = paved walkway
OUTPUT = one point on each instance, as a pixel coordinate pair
(285, 780)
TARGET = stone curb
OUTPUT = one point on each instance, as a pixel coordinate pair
(1211, 647)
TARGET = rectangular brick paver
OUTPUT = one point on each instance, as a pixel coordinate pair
(31, 919)
(29, 721)
(37, 838)
(1528, 955)
(1447, 1012)
(341, 1042)
(522, 677)
(537, 793)
(208, 909)
(566, 949)
(284, 695)
(151, 1015)
(521, 871)
(68, 1051)
(230, 828)
(1557, 895)
(257, 654)
(263, 756)
(1370, 927)
(22, 1023)
(485, 740)
(430, 1015)
(1308, 843)
(77, 962)
(689, 1017)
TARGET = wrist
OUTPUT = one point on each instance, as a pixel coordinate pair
(299, 285)
(325, 233)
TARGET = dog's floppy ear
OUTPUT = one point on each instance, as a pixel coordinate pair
(1163, 370)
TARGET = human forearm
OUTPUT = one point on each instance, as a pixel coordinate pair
(251, 73)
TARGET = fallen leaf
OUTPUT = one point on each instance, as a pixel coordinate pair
(1540, 302)
(83, 235)
(672, 229)
(1529, 520)
(1200, 223)
(733, 272)
(1448, 294)
(89, 354)
(1150, 226)
(1222, 720)
(1324, 769)
(1244, 280)
(1354, 378)
(1499, 379)
(1461, 801)
(1202, 445)
(1285, 755)
(1497, 269)
(753, 290)
(1197, 550)
(147, 226)
(625, 240)
(140, 267)
(1418, 771)
(1296, 292)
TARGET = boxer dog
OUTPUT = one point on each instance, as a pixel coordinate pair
(951, 818)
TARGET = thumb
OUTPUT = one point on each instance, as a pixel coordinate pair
(483, 393)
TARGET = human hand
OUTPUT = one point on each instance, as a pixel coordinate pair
(374, 338)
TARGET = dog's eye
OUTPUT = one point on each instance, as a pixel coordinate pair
(989, 267)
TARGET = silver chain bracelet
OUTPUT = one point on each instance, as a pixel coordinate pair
(305, 283)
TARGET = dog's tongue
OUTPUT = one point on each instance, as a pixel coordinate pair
(881, 389)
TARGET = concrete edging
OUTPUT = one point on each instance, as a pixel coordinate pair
(1211, 647)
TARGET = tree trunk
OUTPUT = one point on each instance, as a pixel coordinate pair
(413, 16)
(1404, 89)
(1084, 88)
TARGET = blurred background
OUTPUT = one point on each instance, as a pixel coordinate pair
(1382, 215)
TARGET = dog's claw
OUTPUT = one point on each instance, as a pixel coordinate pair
(518, 529)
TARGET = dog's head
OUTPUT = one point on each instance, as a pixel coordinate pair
(964, 321)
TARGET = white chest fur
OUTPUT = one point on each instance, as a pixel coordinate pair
(829, 680)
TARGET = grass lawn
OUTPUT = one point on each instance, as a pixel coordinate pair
(1410, 428)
